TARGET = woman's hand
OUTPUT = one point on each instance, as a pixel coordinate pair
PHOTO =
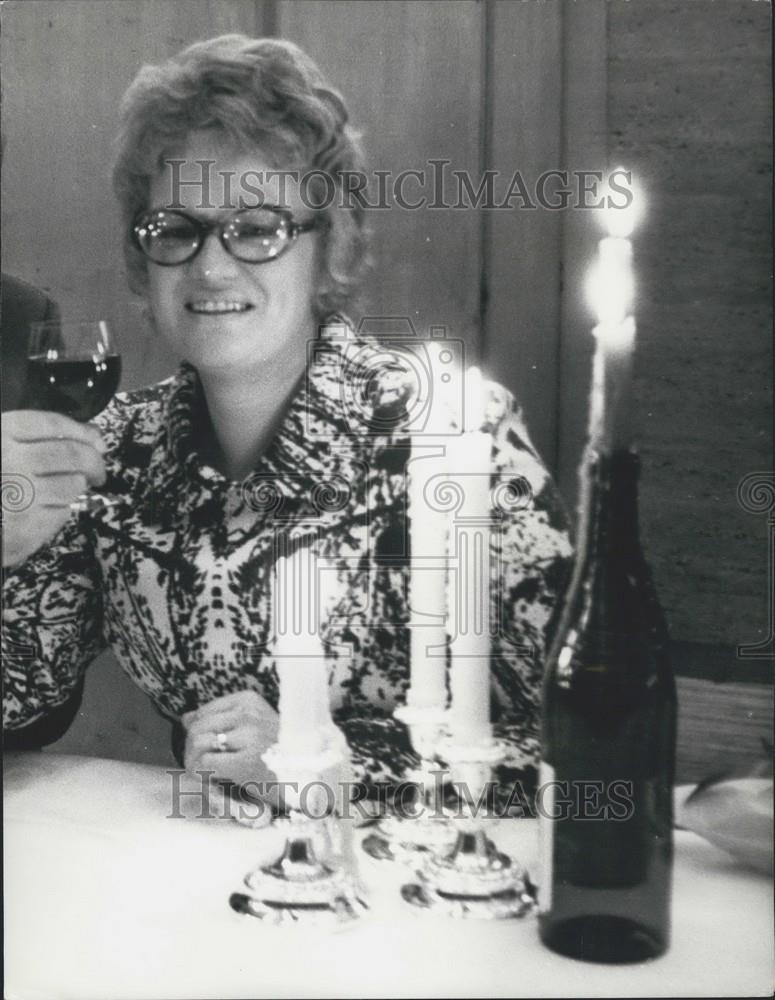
(245, 725)
(48, 460)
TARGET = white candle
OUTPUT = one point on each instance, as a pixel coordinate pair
(299, 655)
(611, 291)
(428, 527)
(428, 581)
(469, 591)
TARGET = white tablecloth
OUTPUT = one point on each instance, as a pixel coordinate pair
(105, 897)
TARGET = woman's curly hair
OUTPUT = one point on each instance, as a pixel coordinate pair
(263, 94)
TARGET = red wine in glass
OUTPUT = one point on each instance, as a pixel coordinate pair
(77, 387)
(73, 370)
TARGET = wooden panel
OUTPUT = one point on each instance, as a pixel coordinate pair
(65, 67)
(410, 73)
(523, 251)
(722, 728)
(585, 142)
(690, 108)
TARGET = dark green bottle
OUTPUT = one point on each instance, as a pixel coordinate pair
(608, 735)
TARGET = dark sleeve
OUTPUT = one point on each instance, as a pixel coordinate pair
(49, 728)
(20, 305)
(52, 630)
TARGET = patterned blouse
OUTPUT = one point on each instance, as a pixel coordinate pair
(178, 580)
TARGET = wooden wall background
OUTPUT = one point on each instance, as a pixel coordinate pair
(679, 92)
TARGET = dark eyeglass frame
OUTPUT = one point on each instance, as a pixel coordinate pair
(288, 228)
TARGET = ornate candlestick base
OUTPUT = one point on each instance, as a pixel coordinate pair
(300, 887)
(308, 882)
(422, 825)
(473, 878)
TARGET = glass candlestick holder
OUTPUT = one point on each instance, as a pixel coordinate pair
(421, 824)
(309, 881)
(472, 878)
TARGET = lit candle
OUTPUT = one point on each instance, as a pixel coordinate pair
(611, 291)
(469, 591)
(299, 655)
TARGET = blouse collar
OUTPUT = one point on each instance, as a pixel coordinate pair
(343, 399)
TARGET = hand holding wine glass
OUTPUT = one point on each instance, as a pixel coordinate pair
(51, 454)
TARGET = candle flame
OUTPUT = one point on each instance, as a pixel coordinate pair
(622, 203)
(616, 338)
(611, 286)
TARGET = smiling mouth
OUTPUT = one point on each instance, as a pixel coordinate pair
(217, 307)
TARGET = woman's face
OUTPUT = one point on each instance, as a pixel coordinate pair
(226, 316)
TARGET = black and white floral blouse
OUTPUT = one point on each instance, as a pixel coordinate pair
(177, 581)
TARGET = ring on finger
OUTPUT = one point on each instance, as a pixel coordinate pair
(220, 743)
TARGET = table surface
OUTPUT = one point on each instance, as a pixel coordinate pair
(107, 897)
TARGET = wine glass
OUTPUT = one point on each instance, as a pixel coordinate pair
(72, 369)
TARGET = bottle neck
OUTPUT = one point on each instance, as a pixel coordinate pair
(608, 512)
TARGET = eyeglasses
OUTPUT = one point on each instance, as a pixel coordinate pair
(169, 237)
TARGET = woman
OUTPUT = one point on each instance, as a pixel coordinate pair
(232, 453)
